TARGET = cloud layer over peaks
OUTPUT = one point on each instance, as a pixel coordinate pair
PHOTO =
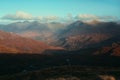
(20, 15)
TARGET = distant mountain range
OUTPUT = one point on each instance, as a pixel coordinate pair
(34, 30)
(29, 46)
(72, 37)
(80, 35)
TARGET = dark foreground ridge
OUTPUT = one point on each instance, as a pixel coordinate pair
(17, 63)
(68, 73)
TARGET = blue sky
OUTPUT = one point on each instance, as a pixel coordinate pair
(60, 8)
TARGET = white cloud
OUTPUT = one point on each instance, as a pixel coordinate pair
(20, 15)
(51, 17)
(86, 16)
(89, 17)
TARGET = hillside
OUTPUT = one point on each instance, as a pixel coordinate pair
(10, 42)
(79, 34)
(34, 30)
(4, 49)
(109, 47)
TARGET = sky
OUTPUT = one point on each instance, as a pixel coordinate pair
(13, 10)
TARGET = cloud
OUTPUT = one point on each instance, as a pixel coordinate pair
(20, 15)
(86, 16)
(51, 17)
(38, 18)
(108, 17)
(70, 16)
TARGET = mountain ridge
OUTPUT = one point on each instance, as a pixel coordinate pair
(24, 45)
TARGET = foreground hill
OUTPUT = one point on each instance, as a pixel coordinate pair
(13, 43)
(68, 73)
(109, 47)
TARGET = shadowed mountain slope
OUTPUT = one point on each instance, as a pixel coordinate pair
(79, 34)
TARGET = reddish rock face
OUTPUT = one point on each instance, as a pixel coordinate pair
(12, 43)
(113, 50)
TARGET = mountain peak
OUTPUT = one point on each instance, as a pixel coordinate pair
(77, 23)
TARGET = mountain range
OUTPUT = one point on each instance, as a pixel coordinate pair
(35, 30)
(13, 43)
(78, 48)
(71, 37)
(81, 35)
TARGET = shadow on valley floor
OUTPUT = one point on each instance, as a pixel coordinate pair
(16, 63)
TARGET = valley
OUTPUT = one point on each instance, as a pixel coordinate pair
(73, 52)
